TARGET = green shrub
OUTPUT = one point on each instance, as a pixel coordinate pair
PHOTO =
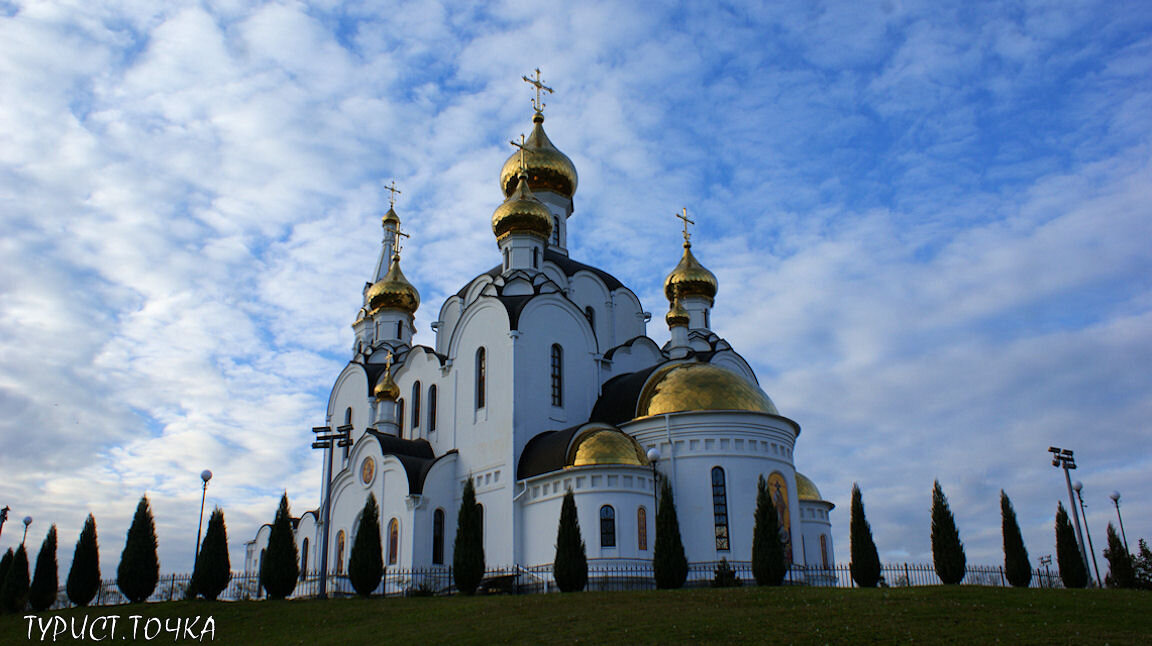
(571, 564)
(139, 568)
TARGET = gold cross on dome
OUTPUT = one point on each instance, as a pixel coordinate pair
(520, 145)
(539, 85)
(395, 192)
(684, 216)
(388, 362)
(396, 241)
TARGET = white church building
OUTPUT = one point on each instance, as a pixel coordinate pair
(541, 378)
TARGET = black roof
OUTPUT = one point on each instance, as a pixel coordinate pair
(546, 452)
(618, 396)
(566, 265)
(416, 456)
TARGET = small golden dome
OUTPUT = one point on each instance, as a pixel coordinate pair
(690, 278)
(522, 213)
(691, 386)
(605, 446)
(547, 168)
(677, 315)
(393, 292)
(390, 217)
(386, 388)
(806, 489)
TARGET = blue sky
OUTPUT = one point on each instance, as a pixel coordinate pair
(930, 223)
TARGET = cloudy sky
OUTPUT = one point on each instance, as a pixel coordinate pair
(931, 223)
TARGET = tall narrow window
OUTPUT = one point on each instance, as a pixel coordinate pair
(304, 559)
(400, 417)
(393, 541)
(591, 314)
(415, 407)
(480, 518)
(824, 549)
(557, 375)
(340, 552)
(607, 526)
(481, 370)
(642, 528)
(505, 258)
(399, 329)
(347, 421)
(535, 257)
(707, 323)
(720, 508)
(438, 537)
(555, 231)
(431, 408)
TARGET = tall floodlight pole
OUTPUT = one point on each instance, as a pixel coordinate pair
(1064, 458)
(1087, 529)
(1115, 496)
(328, 439)
(205, 475)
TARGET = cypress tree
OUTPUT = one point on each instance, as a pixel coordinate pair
(1142, 564)
(14, 590)
(669, 565)
(5, 565)
(366, 563)
(45, 581)
(84, 576)
(468, 548)
(865, 565)
(281, 564)
(139, 567)
(1072, 570)
(768, 560)
(947, 550)
(213, 565)
(1121, 567)
(1017, 569)
(571, 564)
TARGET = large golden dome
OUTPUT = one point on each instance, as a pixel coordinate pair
(692, 386)
(605, 446)
(522, 213)
(690, 278)
(393, 292)
(806, 489)
(547, 168)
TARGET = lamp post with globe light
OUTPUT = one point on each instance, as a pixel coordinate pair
(27, 522)
(653, 458)
(1115, 496)
(1084, 510)
(205, 475)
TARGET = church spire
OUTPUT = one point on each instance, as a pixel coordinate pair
(691, 285)
(390, 301)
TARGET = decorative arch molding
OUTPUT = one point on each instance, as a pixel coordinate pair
(351, 372)
(475, 309)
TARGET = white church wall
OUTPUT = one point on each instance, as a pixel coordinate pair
(481, 433)
(449, 317)
(816, 524)
(349, 392)
(639, 354)
(629, 315)
(440, 491)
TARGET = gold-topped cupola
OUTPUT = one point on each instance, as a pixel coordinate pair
(691, 286)
(390, 300)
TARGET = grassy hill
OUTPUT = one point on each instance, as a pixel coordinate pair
(954, 615)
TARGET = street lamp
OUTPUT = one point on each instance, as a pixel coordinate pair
(1064, 458)
(205, 475)
(1087, 530)
(328, 439)
(27, 522)
(653, 458)
(1115, 499)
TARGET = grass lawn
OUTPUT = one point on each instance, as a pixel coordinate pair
(952, 615)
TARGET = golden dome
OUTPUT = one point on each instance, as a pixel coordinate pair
(806, 489)
(677, 315)
(386, 388)
(393, 292)
(605, 446)
(691, 386)
(690, 278)
(547, 168)
(522, 213)
(390, 216)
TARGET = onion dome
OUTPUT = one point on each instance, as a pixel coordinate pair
(547, 168)
(393, 292)
(386, 388)
(605, 446)
(391, 217)
(692, 386)
(806, 489)
(677, 315)
(690, 278)
(522, 213)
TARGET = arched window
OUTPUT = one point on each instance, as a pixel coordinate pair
(557, 375)
(535, 257)
(607, 526)
(642, 528)
(347, 421)
(431, 408)
(400, 417)
(438, 537)
(555, 231)
(591, 314)
(400, 329)
(393, 541)
(720, 508)
(505, 258)
(304, 559)
(481, 376)
(415, 407)
(340, 552)
(824, 550)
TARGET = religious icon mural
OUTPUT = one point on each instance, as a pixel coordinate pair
(778, 487)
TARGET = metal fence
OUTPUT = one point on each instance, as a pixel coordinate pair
(602, 575)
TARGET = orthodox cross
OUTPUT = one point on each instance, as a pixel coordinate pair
(395, 192)
(396, 242)
(684, 216)
(521, 146)
(388, 363)
(539, 85)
